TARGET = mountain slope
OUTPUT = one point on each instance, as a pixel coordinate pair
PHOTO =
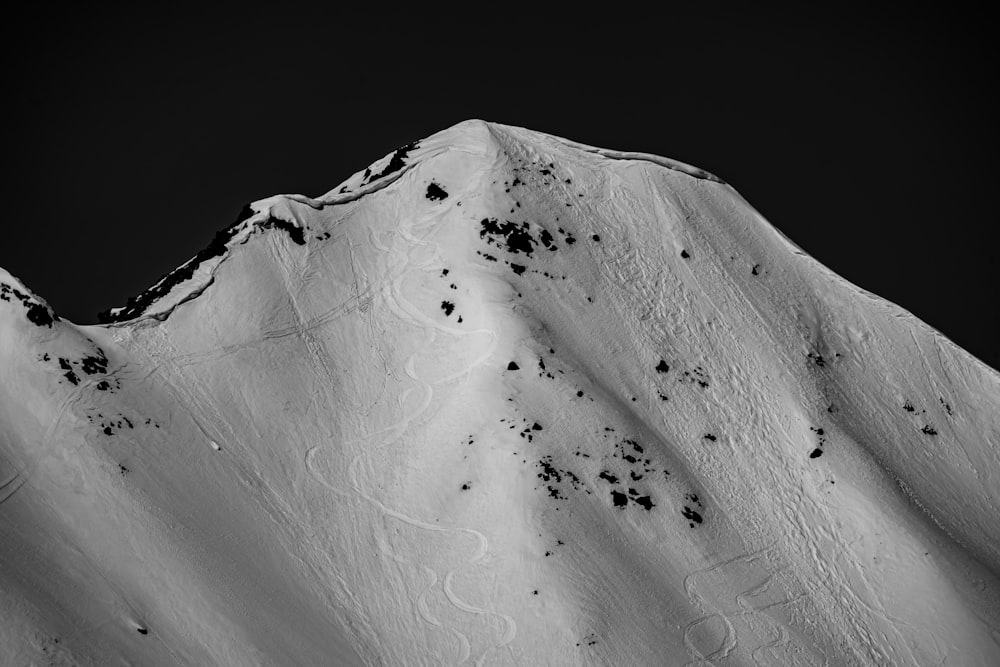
(499, 398)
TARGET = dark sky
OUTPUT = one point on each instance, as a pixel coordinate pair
(868, 139)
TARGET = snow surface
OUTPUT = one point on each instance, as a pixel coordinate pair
(511, 401)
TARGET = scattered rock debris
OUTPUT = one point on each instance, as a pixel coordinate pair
(697, 376)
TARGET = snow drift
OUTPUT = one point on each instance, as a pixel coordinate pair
(498, 399)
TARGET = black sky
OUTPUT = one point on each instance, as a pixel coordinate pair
(868, 139)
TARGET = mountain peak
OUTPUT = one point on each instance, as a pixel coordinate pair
(498, 398)
(485, 140)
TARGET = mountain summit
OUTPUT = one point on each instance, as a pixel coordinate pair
(497, 399)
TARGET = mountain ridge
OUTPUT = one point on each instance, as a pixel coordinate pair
(393, 166)
(524, 404)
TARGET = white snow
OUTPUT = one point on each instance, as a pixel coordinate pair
(320, 453)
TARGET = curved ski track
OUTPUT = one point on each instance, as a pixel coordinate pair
(406, 312)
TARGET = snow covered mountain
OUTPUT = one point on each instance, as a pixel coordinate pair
(499, 399)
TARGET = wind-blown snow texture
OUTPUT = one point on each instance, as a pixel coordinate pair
(499, 399)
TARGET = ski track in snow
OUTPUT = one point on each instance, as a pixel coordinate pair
(406, 312)
(730, 641)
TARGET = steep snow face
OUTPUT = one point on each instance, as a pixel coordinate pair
(498, 399)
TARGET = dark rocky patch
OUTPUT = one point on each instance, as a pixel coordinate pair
(294, 231)
(596, 237)
(691, 515)
(645, 502)
(605, 475)
(36, 313)
(755, 270)
(816, 453)
(947, 408)
(662, 367)
(516, 237)
(92, 365)
(396, 162)
(928, 430)
(70, 374)
(517, 269)
(103, 385)
(635, 445)
(39, 315)
(447, 307)
(684, 254)
(435, 192)
(466, 487)
(619, 499)
(709, 436)
(817, 359)
(512, 366)
(908, 407)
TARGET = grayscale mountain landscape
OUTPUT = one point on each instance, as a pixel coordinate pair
(499, 398)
